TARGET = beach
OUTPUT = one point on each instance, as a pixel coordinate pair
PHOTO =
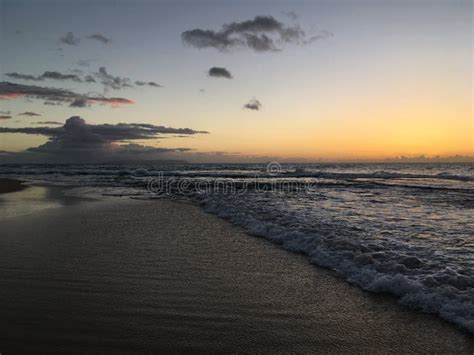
(133, 276)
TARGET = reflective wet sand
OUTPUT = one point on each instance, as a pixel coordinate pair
(133, 276)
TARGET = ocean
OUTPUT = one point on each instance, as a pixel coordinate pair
(403, 229)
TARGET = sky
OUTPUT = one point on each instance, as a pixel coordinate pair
(235, 80)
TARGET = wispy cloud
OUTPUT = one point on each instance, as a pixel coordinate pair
(253, 104)
(58, 96)
(99, 37)
(70, 39)
(47, 75)
(110, 81)
(29, 114)
(262, 34)
(149, 83)
(49, 123)
(19, 76)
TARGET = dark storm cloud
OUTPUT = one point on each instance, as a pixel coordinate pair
(5, 117)
(262, 34)
(29, 114)
(77, 139)
(99, 37)
(53, 95)
(253, 104)
(70, 39)
(217, 72)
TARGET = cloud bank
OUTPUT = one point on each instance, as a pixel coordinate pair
(77, 141)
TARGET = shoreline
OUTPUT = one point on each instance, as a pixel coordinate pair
(164, 275)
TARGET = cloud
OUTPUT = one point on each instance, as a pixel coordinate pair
(79, 103)
(29, 113)
(57, 96)
(116, 82)
(138, 149)
(48, 122)
(150, 83)
(253, 104)
(89, 79)
(220, 73)
(19, 76)
(262, 34)
(77, 140)
(5, 117)
(55, 75)
(99, 37)
(112, 82)
(70, 39)
(51, 75)
(106, 79)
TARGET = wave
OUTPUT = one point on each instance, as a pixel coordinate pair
(443, 291)
(221, 172)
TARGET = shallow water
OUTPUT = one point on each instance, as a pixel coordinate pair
(406, 229)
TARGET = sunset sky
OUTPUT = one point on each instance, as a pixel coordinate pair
(310, 80)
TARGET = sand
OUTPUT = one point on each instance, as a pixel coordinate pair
(128, 276)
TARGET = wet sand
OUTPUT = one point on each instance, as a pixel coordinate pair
(128, 276)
